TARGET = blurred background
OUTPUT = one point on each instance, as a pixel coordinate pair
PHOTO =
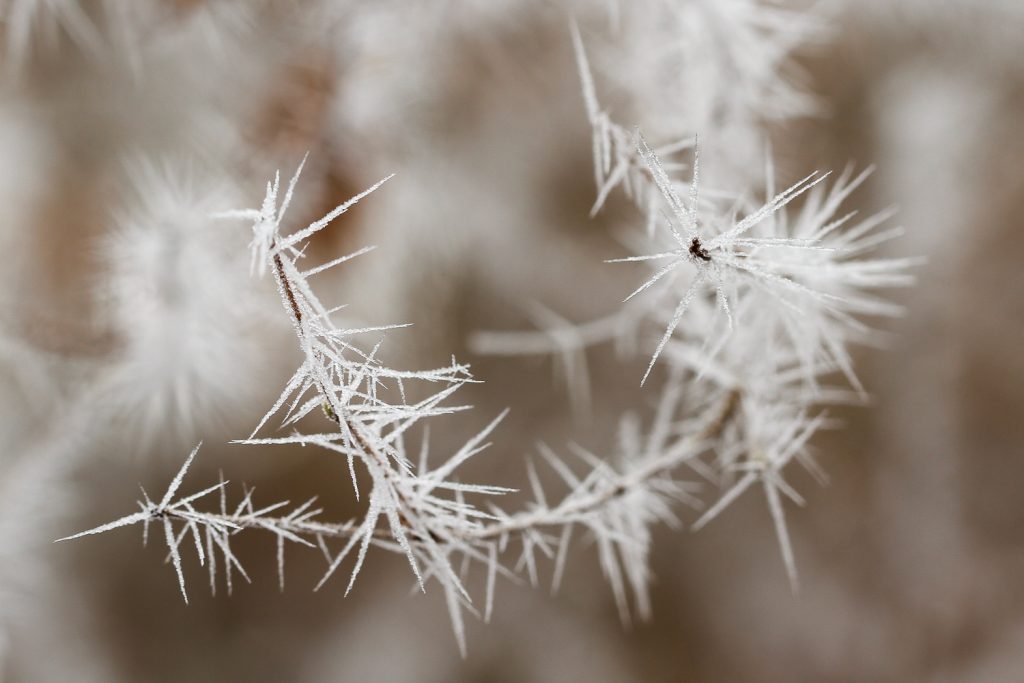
(130, 330)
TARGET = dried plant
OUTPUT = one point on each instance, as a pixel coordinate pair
(744, 321)
(749, 407)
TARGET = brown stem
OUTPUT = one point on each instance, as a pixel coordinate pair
(360, 440)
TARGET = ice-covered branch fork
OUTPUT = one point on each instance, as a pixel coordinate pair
(430, 528)
(416, 509)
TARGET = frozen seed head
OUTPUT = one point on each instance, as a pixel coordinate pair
(178, 301)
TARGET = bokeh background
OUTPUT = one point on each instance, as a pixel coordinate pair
(129, 331)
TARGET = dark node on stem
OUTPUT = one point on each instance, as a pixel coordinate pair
(698, 251)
